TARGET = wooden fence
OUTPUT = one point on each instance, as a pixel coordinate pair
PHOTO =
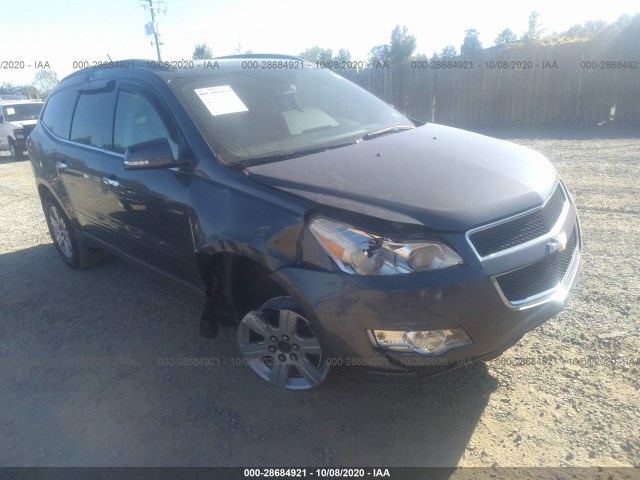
(563, 83)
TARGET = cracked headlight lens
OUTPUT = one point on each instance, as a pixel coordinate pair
(359, 252)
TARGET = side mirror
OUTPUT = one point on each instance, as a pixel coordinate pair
(151, 154)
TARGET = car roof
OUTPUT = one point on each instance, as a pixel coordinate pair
(15, 102)
(171, 68)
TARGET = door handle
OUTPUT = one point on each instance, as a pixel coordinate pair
(110, 181)
(61, 164)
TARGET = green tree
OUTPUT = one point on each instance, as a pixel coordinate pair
(30, 91)
(402, 45)
(471, 43)
(201, 51)
(449, 52)
(343, 56)
(8, 88)
(380, 53)
(317, 54)
(575, 31)
(597, 28)
(399, 50)
(623, 20)
(594, 27)
(534, 32)
(505, 38)
(44, 81)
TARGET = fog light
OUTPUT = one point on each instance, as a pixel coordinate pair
(426, 342)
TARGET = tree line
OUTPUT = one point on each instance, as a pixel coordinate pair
(401, 48)
(43, 82)
(402, 45)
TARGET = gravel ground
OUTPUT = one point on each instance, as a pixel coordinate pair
(82, 385)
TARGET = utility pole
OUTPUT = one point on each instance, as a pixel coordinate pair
(152, 28)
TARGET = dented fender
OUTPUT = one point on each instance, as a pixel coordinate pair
(236, 215)
(231, 216)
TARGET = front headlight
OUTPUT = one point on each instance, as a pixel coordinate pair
(362, 253)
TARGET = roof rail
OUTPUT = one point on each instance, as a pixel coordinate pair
(260, 55)
(130, 62)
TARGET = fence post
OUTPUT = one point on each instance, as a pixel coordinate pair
(579, 90)
(433, 109)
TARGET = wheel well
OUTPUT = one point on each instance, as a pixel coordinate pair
(43, 191)
(238, 279)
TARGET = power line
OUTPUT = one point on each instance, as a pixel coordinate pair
(151, 28)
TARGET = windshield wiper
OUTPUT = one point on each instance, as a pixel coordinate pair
(252, 162)
(387, 130)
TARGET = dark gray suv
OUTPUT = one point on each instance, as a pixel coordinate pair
(326, 226)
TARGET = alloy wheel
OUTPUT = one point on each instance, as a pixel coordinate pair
(60, 232)
(279, 345)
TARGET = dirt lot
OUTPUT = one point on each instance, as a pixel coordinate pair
(81, 382)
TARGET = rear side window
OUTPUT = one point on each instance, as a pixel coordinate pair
(57, 114)
(91, 120)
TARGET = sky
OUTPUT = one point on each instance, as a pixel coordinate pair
(64, 32)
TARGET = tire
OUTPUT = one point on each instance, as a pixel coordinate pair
(279, 345)
(68, 243)
(16, 154)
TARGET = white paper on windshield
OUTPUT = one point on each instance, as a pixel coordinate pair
(309, 118)
(11, 111)
(221, 100)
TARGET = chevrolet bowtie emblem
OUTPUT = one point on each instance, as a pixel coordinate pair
(557, 243)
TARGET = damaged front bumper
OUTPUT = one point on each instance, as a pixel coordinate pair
(344, 309)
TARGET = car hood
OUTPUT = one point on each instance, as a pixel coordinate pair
(441, 177)
(22, 123)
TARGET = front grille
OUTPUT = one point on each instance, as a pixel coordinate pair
(520, 230)
(538, 277)
(27, 129)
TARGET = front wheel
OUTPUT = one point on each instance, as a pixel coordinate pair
(280, 347)
(16, 153)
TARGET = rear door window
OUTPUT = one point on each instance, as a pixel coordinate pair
(57, 115)
(92, 120)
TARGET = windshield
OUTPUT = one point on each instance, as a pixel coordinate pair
(19, 112)
(272, 114)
